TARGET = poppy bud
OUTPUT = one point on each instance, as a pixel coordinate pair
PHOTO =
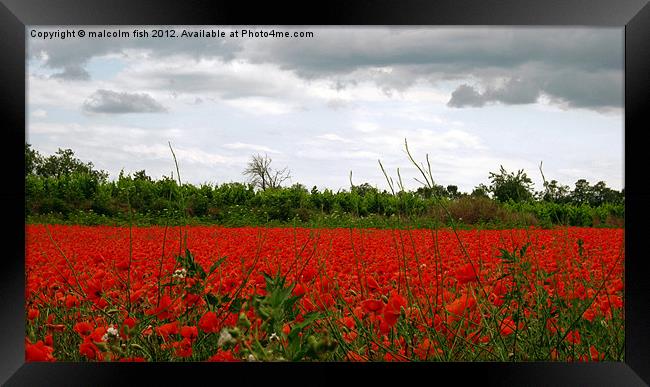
(234, 332)
(102, 346)
(313, 343)
(243, 320)
(327, 344)
(136, 346)
(384, 298)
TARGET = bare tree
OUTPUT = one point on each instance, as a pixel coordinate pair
(261, 174)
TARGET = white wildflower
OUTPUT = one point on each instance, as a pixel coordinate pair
(111, 333)
(251, 357)
(180, 273)
(274, 336)
(225, 338)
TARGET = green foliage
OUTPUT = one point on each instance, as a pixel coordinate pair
(71, 191)
(554, 192)
(62, 163)
(595, 195)
(510, 186)
(481, 191)
(32, 160)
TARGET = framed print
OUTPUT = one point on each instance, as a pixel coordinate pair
(365, 192)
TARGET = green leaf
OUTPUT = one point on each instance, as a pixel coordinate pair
(290, 302)
(212, 300)
(216, 265)
(236, 304)
(269, 281)
(308, 319)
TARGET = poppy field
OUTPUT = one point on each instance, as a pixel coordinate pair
(209, 293)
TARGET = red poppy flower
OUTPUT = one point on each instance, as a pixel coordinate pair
(589, 314)
(122, 265)
(348, 322)
(32, 313)
(38, 352)
(508, 326)
(461, 305)
(594, 355)
(71, 301)
(223, 356)
(298, 290)
(94, 289)
(129, 322)
(83, 328)
(209, 323)
(307, 304)
(372, 284)
(136, 296)
(163, 310)
(390, 357)
(353, 356)
(193, 300)
(308, 274)
(98, 334)
(372, 306)
(426, 350)
(190, 333)
(167, 329)
(393, 309)
(183, 348)
(127, 326)
(55, 327)
(465, 274)
(573, 337)
(384, 327)
(325, 301)
(90, 350)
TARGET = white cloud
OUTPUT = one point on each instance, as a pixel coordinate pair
(191, 155)
(261, 106)
(365, 127)
(425, 140)
(39, 113)
(53, 128)
(254, 147)
(337, 154)
(332, 137)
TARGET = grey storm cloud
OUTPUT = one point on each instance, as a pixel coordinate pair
(111, 102)
(66, 53)
(514, 92)
(599, 91)
(578, 67)
(197, 81)
(466, 95)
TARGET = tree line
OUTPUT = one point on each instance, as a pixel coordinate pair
(63, 187)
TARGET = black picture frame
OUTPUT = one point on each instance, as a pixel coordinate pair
(633, 15)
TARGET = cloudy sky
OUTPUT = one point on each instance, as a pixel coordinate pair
(472, 98)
